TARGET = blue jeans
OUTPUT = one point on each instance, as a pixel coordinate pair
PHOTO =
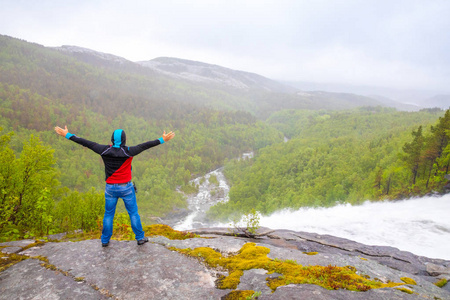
(112, 193)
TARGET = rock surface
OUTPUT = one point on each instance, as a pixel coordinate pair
(85, 270)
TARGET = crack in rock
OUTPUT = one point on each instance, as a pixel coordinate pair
(352, 250)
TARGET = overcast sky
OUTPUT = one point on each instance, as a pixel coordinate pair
(394, 43)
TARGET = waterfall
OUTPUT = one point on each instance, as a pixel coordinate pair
(419, 225)
(209, 194)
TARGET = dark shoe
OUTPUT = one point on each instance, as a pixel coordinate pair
(105, 245)
(143, 241)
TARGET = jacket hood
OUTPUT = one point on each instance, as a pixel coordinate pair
(118, 138)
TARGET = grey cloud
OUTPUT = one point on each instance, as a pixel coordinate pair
(373, 42)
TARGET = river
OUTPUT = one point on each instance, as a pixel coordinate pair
(209, 193)
(419, 225)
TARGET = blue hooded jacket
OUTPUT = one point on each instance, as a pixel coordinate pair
(117, 157)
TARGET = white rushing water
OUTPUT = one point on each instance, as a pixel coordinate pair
(208, 195)
(420, 225)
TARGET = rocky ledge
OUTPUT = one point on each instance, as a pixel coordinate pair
(161, 270)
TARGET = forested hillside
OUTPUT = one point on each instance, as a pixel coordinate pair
(41, 88)
(50, 184)
(221, 88)
(350, 156)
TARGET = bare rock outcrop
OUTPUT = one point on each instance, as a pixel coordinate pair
(85, 270)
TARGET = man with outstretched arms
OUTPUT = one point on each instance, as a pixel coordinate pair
(117, 159)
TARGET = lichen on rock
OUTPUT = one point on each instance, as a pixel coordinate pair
(9, 260)
(255, 257)
(408, 280)
(238, 295)
(441, 283)
(274, 266)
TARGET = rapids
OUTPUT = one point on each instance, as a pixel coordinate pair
(418, 225)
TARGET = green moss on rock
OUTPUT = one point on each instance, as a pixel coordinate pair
(124, 232)
(251, 256)
(408, 280)
(311, 253)
(11, 259)
(238, 295)
(168, 232)
(41, 258)
(404, 290)
(441, 283)
(35, 244)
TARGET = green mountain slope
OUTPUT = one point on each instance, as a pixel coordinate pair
(332, 156)
(87, 77)
(41, 88)
(349, 156)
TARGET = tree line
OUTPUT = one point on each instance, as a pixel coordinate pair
(427, 155)
(333, 157)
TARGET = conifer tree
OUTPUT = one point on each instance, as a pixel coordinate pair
(413, 151)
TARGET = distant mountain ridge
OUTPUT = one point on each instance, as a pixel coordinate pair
(441, 101)
(401, 99)
(81, 50)
(100, 76)
(209, 73)
(193, 71)
(215, 76)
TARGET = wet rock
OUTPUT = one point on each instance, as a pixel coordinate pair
(128, 271)
(388, 256)
(21, 243)
(436, 270)
(29, 280)
(57, 236)
(314, 292)
(123, 270)
(255, 280)
(236, 232)
(173, 217)
(224, 244)
(9, 250)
